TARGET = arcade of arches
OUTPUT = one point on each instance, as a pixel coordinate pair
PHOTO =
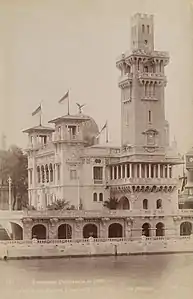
(112, 230)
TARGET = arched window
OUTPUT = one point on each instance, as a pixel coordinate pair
(145, 204)
(95, 196)
(43, 174)
(51, 173)
(143, 28)
(148, 29)
(115, 230)
(146, 229)
(185, 229)
(65, 231)
(38, 174)
(90, 230)
(39, 231)
(124, 203)
(159, 204)
(100, 196)
(160, 232)
(47, 173)
(146, 69)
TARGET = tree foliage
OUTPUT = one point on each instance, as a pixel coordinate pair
(14, 164)
(111, 203)
(60, 205)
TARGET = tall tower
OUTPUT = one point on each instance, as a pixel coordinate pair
(142, 83)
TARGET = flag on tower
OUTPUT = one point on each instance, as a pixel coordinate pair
(64, 97)
(38, 109)
(104, 127)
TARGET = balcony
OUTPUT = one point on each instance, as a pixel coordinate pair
(104, 214)
(98, 182)
(144, 181)
(151, 76)
(125, 79)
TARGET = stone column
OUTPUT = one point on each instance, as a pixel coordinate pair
(140, 170)
(128, 228)
(159, 171)
(149, 170)
(154, 171)
(121, 171)
(168, 171)
(53, 228)
(113, 173)
(27, 228)
(117, 171)
(103, 233)
(130, 171)
(78, 233)
(126, 173)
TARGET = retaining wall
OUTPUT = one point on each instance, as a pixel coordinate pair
(57, 249)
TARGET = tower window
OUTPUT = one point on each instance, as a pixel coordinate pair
(95, 196)
(148, 31)
(146, 69)
(100, 196)
(143, 28)
(149, 116)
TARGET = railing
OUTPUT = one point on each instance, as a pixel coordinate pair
(145, 181)
(96, 240)
(98, 182)
(125, 77)
(151, 75)
(100, 214)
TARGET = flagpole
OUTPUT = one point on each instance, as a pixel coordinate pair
(40, 114)
(107, 133)
(68, 103)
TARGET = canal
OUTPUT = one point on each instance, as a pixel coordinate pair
(136, 277)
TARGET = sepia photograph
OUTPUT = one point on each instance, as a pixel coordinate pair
(96, 149)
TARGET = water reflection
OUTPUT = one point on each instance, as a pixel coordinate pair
(162, 276)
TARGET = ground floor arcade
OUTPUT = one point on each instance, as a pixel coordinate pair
(55, 228)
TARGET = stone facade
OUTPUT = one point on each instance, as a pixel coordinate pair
(66, 162)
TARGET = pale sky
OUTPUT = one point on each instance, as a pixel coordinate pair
(48, 46)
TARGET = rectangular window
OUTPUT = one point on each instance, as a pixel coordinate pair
(30, 176)
(98, 174)
(58, 172)
(149, 116)
(59, 133)
(73, 174)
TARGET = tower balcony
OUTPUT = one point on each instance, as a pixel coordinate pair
(125, 80)
(151, 76)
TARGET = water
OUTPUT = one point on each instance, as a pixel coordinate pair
(136, 277)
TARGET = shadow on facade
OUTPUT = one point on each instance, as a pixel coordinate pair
(39, 232)
(17, 231)
(115, 230)
(90, 230)
(64, 231)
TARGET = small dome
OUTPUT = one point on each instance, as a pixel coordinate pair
(90, 131)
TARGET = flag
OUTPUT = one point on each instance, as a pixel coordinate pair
(104, 127)
(39, 109)
(64, 97)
